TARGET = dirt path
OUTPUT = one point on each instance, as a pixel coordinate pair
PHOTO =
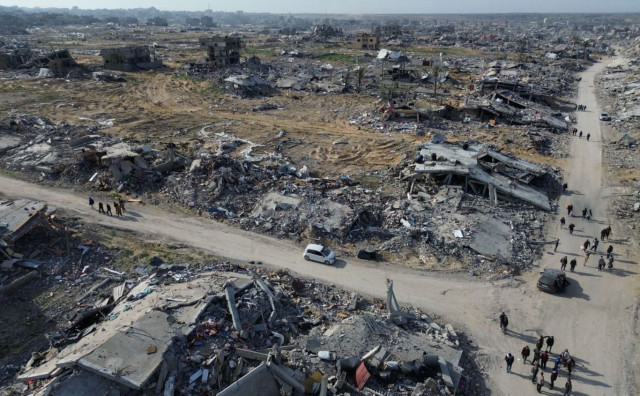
(593, 319)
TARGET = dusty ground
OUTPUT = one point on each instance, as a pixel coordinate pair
(596, 318)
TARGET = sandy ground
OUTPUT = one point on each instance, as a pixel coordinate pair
(595, 319)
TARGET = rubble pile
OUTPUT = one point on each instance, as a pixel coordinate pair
(261, 329)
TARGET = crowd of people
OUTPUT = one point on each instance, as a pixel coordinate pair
(118, 206)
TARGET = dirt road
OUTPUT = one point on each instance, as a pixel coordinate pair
(594, 319)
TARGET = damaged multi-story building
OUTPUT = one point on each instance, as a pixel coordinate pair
(131, 58)
(366, 41)
(222, 51)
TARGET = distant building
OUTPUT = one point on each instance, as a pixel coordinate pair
(222, 51)
(129, 58)
(366, 41)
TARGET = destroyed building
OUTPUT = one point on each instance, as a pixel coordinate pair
(483, 172)
(222, 51)
(131, 58)
(366, 41)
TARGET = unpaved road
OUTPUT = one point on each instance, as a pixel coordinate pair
(594, 319)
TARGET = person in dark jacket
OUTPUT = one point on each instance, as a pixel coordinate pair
(550, 342)
(509, 359)
(534, 373)
(563, 263)
(572, 264)
(91, 202)
(609, 250)
(536, 357)
(544, 357)
(100, 208)
(554, 377)
(540, 342)
(525, 353)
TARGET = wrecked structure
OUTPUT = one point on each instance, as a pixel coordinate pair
(222, 51)
(482, 171)
(128, 59)
(368, 41)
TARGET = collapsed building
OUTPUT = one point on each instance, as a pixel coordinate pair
(222, 51)
(130, 58)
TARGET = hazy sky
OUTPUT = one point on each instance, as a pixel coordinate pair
(351, 6)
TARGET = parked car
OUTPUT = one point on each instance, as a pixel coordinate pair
(319, 253)
(553, 280)
(605, 117)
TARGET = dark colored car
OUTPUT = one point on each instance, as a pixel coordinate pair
(553, 281)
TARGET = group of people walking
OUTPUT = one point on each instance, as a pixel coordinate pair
(541, 356)
(118, 206)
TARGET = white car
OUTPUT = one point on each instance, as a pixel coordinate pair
(605, 117)
(319, 253)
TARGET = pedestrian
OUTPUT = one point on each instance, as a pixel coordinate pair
(572, 264)
(544, 358)
(554, 377)
(557, 363)
(109, 210)
(601, 264)
(570, 365)
(586, 245)
(540, 382)
(563, 263)
(536, 357)
(590, 214)
(584, 212)
(570, 209)
(509, 359)
(100, 208)
(609, 249)
(121, 201)
(116, 206)
(91, 202)
(567, 387)
(571, 227)
(603, 234)
(525, 353)
(588, 136)
(580, 135)
(504, 322)
(540, 342)
(586, 258)
(608, 231)
(610, 264)
(550, 342)
(534, 373)
(595, 244)
(556, 245)
(564, 187)
(562, 222)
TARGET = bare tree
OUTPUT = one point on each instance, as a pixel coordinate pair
(359, 77)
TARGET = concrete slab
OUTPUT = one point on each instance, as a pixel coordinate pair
(45, 370)
(83, 384)
(491, 238)
(259, 381)
(124, 358)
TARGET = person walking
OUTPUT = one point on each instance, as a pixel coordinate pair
(509, 359)
(567, 387)
(565, 186)
(580, 135)
(571, 227)
(554, 377)
(525, 353)
(109, 210)
(557, 363)
(586, 245)
(584, 212)
(586, 258)
(601, 263)
(610, 263)
(544, 358)
(595, 244)
(116, 206)
(100, 208)
(563, 263)
(570, 365)
(121, 202)
(540, 342)
(504, 322)
(536, 357)
(550, 342)
(534, 373)
(609, 249)
(588, 136)
(540, 382)
(556, 245)
(590, 214)
(572, 264)
(91, 202)
(570, 210)
(562, 222)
